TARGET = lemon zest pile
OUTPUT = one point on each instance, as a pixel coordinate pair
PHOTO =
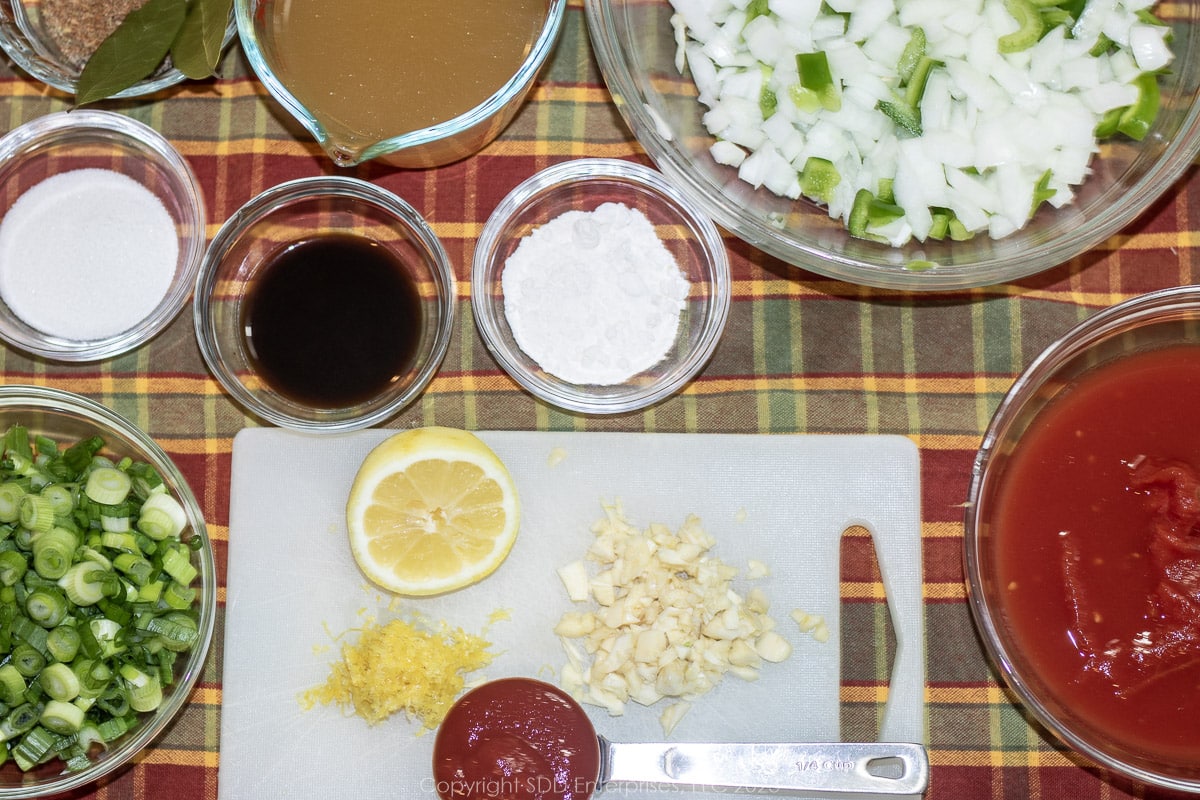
(401, 666)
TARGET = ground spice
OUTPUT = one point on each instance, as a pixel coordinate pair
(77, 27)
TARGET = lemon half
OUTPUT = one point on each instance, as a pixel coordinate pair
(431, 510)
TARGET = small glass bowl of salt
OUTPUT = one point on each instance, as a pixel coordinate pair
(599, 287)
(101, 234)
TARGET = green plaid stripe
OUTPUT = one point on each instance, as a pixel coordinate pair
(801, 354)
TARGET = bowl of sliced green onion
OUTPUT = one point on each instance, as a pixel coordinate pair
(107, 591)
(927, 145)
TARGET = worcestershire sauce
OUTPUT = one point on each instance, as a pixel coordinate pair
(332, 320)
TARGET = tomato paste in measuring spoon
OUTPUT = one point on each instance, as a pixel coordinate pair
(517, 739)
(522, 739)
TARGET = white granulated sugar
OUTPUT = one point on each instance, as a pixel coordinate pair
(594, 297)
(86, 254)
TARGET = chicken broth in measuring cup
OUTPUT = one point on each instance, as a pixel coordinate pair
(369, 70)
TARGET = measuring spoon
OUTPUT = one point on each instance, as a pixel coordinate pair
(523, 738)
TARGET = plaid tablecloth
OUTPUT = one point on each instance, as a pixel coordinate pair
(801, 354)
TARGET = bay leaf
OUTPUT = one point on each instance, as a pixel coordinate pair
(132, 52)
(196, 51)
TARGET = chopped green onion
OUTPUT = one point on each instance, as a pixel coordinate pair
(107, 486)
(33, 747)
(177, 564)
(146, 480)
(29, 632)
(63, 643)
(94, 676)
(120, 540)
(85, 583)
(114, 700)
(59, 681)
(61, 717)
(178, 596)
(119, 523)
(46, 606)
(36, 513)
(162, 516)
(145, 690)
(28, 661)
(18, 721)
(17, 450)
(115, 727)
(177, 632)
(53, 552)
(139, 570)
(11, 493)
(12, 685)
(12, 567)
(96, 600)
(151, 591)
(61, 497)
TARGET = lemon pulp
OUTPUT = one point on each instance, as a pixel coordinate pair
(431, 510)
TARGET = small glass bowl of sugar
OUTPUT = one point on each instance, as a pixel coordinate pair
(599, 287)
(102, 230)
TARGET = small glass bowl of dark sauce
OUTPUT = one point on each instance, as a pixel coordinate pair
(325, 304)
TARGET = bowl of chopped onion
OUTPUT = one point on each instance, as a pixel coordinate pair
(107, 591)
(931, 145)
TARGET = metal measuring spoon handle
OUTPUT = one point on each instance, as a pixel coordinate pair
(829, 768)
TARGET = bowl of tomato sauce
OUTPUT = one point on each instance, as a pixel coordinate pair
(1082, 538)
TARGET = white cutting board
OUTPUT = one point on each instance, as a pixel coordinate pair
(784, 500)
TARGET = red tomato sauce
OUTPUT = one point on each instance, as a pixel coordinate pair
(515, 739)
(1098, 552)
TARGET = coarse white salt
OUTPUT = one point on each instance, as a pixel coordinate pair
(594, 297)
(86, 254)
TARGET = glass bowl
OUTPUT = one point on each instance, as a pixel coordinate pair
(89, 139)
(437, 144)
(689, 236)
(68, 418)
(1045, 646)
(635, 47)
(26, 39)
(259, 238)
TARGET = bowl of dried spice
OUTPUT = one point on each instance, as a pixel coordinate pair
(102, 231)
(95, 49)
(599, 287)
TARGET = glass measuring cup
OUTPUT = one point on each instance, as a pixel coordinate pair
(431, 146)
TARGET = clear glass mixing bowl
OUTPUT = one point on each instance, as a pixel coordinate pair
(635, 47)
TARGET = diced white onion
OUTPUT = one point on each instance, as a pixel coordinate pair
(993, 124)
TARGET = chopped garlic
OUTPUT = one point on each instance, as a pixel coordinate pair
(665, 620)
(671, 715)
(575, 578)
(813, 624)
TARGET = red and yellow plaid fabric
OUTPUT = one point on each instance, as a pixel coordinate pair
(801, 354)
